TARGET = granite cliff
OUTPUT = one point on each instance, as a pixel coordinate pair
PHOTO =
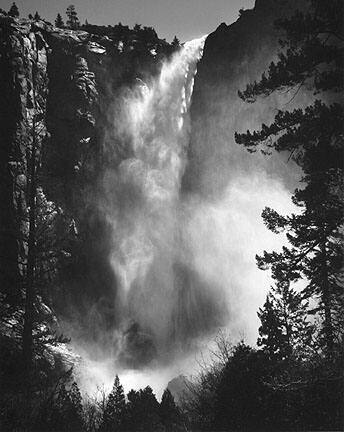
(235, 55)
(59, 88)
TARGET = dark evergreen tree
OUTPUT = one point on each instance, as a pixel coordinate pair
(42, 226)
(284, 327)
(315, 253)
(75, 408)
(30, 16)
(142, 413)
(313, 52)
(37, 16)
(59, 21)
(242, 400)
(175, 43)
(73, 20)
(67, 411)
(14, 11)
(271, 337)
(48, 233)
(170, 414)
(33, 168)
(115, 408)
(314, 138)
(252, 392)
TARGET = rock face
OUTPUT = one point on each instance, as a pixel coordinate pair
(45, 79)
(179, 387)
(69, 81)
(23, 66)
(233, 56)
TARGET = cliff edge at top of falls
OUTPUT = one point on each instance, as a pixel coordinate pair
(234, 55)
(244, 47)
(239, 42)
(79, 74)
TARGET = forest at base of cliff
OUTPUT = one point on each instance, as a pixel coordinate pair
(293, 378)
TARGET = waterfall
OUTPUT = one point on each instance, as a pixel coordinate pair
(145, 206)
(184, 264)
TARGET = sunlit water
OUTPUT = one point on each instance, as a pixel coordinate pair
(184, 266)
(145, 213)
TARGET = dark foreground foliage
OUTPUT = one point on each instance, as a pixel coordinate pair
(241, 389)
(251, 391)
(52, 402)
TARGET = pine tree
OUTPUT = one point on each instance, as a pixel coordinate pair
(14, 11)
(284, 327)
(30, 285)
(169, 412)
(75, 408)
(73, 20)
(314, 138)
(312, 52)
(67, 412)
(142, 411)
(59, 21)
(315, 252)
(45, 230)
(37, 16)
(240, 386)
(115, 407)
(175, 43)
(271, 336)
(40, 231)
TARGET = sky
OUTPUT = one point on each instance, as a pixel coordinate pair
(187, 19)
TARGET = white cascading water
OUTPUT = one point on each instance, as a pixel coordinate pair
(145, 208)
(153, 117)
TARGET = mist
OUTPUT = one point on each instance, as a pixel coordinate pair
(183, 257)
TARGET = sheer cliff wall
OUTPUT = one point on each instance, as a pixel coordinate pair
(235, 55)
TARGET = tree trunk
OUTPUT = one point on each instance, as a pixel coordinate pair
(31, 253)
(31, 258)
(286, 318)
(326, 299)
